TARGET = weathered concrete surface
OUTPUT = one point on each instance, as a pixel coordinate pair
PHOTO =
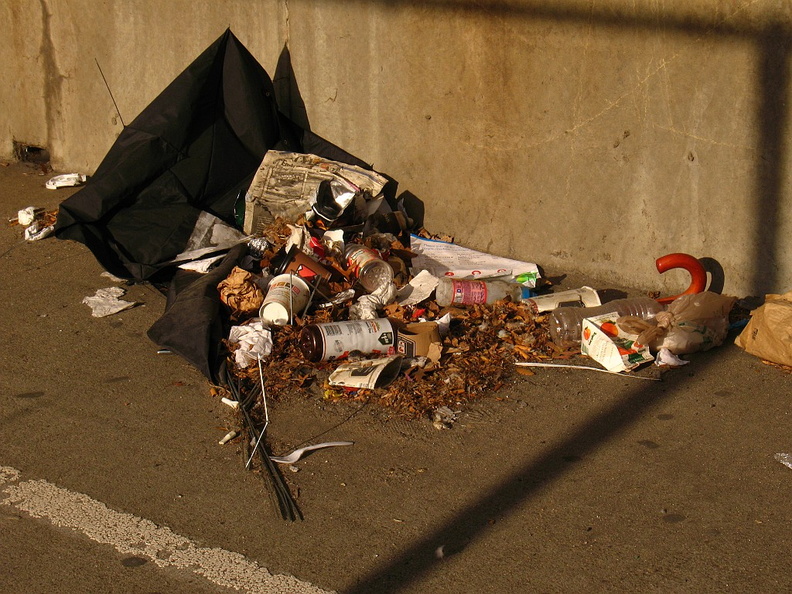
(589, 137)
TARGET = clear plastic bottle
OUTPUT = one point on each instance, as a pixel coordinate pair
(566, 322)
(469, 292)
(371, 271)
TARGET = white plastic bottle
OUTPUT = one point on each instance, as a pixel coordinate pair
(471, 292)
(371, 271)
(566, 322)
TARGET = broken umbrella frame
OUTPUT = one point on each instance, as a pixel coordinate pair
(191, 151)
(276, 486)
(246, 400)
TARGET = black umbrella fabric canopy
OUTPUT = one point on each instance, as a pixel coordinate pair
(192, 150)
(188, 155)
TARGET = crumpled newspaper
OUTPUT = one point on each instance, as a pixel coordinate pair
(254, 340)
(240, 292)
(106, 302)
(286, 184)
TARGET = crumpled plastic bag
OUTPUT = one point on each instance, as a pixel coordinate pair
(691, 323)
(240, 292)
(768, 334)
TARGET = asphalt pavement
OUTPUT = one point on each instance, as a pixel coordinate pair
(112, 478)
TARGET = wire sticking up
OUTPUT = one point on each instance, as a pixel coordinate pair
(266, 416)
(118, 111)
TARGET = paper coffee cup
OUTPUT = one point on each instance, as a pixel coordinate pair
(287, 294)
(582, 297)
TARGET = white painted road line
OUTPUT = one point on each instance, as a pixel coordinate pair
(130, 534)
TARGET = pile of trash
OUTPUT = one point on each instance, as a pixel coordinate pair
(332, 289)
(336, 290)
(411, 357)
(291, 265)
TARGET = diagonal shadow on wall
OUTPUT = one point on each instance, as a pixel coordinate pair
(772, 42)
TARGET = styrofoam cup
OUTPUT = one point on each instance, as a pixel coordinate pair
(287, 294)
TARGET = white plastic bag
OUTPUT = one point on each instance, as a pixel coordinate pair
(692, 323)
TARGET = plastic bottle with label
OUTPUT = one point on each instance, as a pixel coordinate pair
(371, 271)
(471, 292)
(335, 340)
(566, 322)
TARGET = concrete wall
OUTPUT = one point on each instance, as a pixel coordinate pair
(590, 137)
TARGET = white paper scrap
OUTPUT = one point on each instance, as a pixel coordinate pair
(450, 260)
(418, 289)
(203, 265)
(106, 302)
(444, 324)
(254, 340)
(784, 458)
(113, 277)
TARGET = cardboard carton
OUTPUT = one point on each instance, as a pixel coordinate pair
(421, 339)
(615, 350)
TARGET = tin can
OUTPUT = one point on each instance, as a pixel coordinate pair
(335, 340)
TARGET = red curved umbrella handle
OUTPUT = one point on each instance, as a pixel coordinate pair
(698, 276)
